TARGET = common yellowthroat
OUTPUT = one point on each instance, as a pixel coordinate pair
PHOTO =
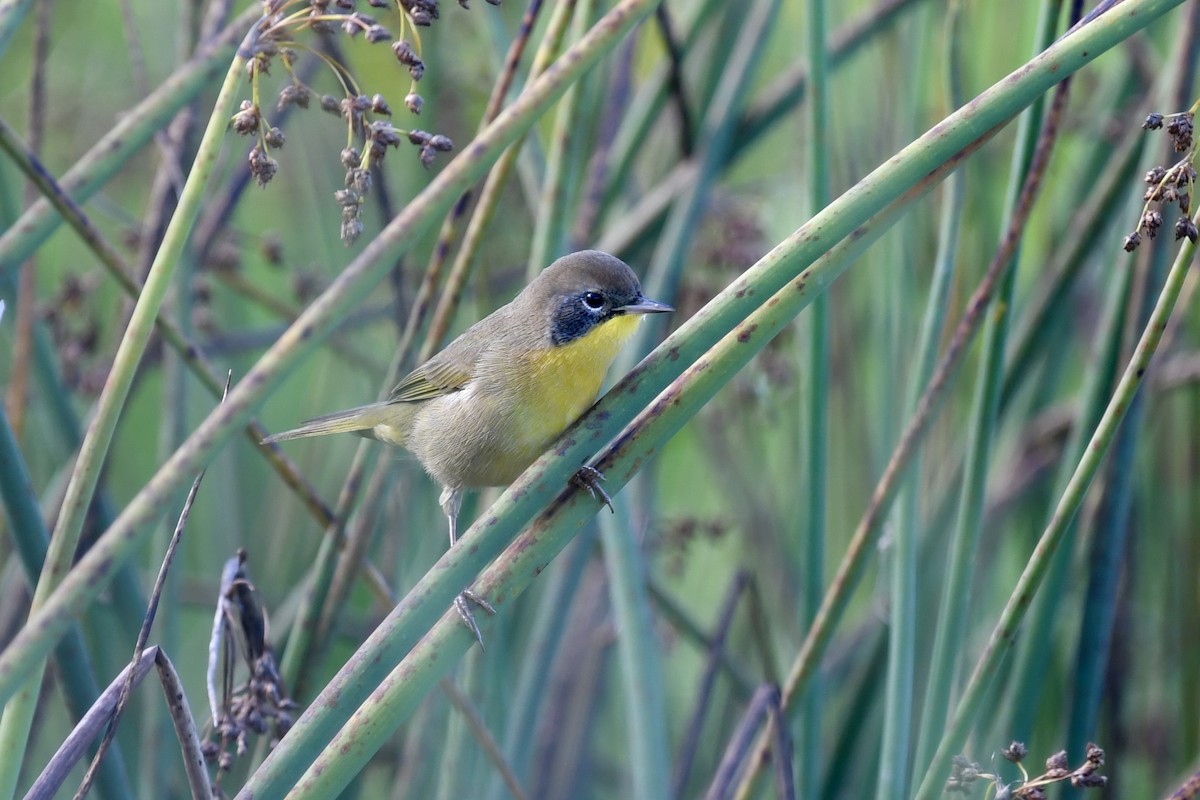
(480, 411)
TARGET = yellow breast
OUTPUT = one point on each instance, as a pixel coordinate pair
(558, 384)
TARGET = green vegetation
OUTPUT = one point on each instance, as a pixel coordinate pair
(906, 490)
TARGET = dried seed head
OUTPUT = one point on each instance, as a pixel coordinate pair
(1185, 227)
(1153, 122)
(359, 180)
(330, 104)
(320, 25)
(1180, 129)
(377, 33)
(347, 198)
(260, 64)
(293, 94)
(246, 120)
(427, 154)
(1132, 241)
(262, 167)
(413, 102)
(1151, 222)
(380, 106)
(404, 52)
(1015, 752)
(1057, 765)
(1155, 176)
(441, 143)
(418, 138)
(351, 158)
(351, 230)
(274, 138)
(383, 132)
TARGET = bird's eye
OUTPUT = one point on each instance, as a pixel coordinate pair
(593, 300)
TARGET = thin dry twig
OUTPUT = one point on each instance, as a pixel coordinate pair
(73, 747)
(675, 86)
(708, 678)
(185, 727)
(766, 703)
(18, 387)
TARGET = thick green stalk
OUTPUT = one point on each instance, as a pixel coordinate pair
(808, 739)
(1033, 656)
(1089, 225)
(712, 145)
(956, 591)
(526, 698)
(927, 351)
(1108, 544)
(74, 669)
(637, 647)
(645, 109)
(112, 399)
(1004, 635)
(549, 229)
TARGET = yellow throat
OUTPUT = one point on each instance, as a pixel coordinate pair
(560, 383)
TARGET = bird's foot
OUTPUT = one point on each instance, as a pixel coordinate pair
(464, 611)
(589, 478)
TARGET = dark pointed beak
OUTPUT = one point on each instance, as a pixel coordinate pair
(644, 305)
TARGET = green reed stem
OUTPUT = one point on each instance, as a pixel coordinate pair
(1004, 635)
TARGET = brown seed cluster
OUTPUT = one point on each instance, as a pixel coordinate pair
(367, 117)
(964, 773)
(260, 704)
(1169, 186)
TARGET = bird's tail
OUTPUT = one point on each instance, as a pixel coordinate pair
(360, 420)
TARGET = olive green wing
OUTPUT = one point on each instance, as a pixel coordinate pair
(428, 381)
(448, 371)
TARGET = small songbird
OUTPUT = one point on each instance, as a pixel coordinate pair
(480, 411)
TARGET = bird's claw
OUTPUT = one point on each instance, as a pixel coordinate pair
(589, 478)
(464, 611)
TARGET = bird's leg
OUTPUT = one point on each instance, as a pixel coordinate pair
(451, 502)
(589, 478)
